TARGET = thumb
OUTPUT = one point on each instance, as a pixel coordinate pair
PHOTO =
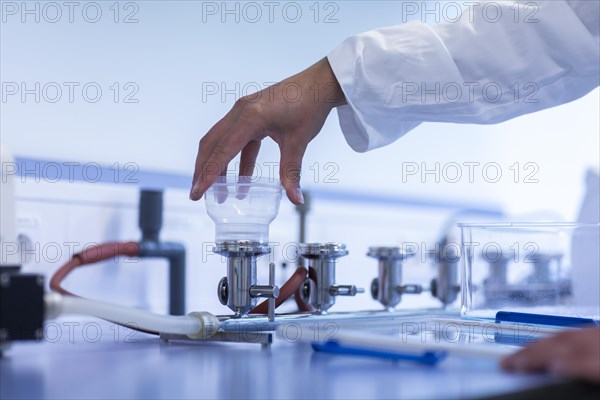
(290, 170)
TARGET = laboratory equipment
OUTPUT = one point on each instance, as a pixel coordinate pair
(387, 288)
(239, 290)
(21, 307)
(21, 294)
(446, 286)
(355, 339)
(150, 246)
(150, 223)
(242, 209)
(521, 267)
(195, 325)
(320, 289)
(335, 347)
(541, 319)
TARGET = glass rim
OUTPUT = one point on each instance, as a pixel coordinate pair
(253, 181)
(528, 224)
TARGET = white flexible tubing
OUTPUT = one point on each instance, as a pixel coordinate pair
(197, 324)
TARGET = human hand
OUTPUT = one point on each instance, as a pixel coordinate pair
(291, 113)
(573, 354)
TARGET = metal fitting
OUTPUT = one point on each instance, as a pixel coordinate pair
(387, 288)
(239, 290)
(320, 289)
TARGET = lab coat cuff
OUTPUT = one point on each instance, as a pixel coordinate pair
(353, 126)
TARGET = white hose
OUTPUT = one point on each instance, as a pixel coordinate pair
(195, 325)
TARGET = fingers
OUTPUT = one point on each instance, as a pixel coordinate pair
(290, 170)
(576, 367)
(581, 358)
(247, 164)
(534, 357)
(217, 160)
(248, 158)
(568, 354)
(221, 192)
(205, 149)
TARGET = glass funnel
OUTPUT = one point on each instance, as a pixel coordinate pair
(242, 207)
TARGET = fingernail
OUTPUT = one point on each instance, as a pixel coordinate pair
(299, 196)
(193, 192)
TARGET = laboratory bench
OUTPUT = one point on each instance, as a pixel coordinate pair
(89, 358)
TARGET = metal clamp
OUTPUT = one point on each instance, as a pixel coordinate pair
(270, 292)
(320, 289)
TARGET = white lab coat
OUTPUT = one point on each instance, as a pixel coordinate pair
(475, 70)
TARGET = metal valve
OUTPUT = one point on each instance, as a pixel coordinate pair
(446, 286)
(320, 289)
(387, 288)
(265, 291)
(239, 290)
(343, 290)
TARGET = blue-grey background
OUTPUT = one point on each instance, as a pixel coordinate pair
(178, 51)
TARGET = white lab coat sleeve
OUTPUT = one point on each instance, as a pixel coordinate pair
(477, 69)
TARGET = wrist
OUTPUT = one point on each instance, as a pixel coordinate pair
(320, 86)
(332, 91)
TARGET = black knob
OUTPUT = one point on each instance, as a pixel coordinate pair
(375, 288)
(434, 291)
